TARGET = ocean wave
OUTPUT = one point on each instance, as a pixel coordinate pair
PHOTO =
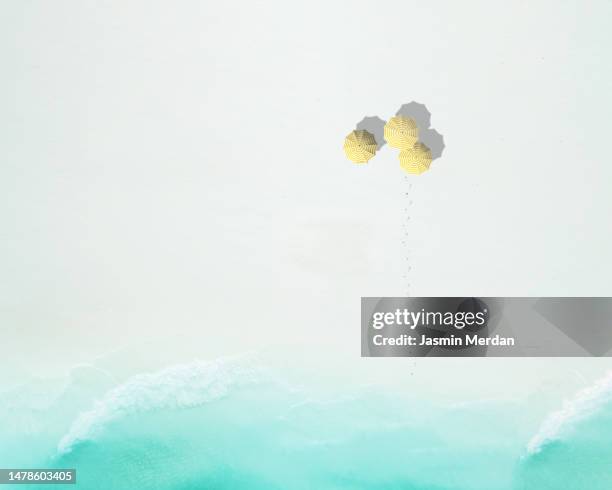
(182, 386)
(586, 403)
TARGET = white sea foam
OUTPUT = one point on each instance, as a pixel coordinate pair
(39, 403)
(181, 386)
(584, 404)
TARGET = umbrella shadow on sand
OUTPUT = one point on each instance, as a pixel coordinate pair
(427, 135)
(376, 126)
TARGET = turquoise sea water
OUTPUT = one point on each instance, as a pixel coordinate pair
(232, 424)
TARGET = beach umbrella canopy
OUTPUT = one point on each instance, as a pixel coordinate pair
(416, 160)
(360, 145)
(401, 132)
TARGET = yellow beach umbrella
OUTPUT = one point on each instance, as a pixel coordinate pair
(416, 160)
(401, 132)
(360, 145)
